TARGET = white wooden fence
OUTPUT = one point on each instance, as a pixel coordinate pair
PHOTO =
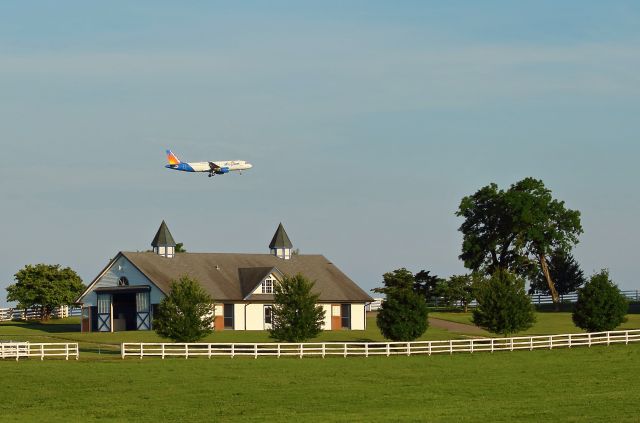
(35, 313)
(19, 350)
(366, 349)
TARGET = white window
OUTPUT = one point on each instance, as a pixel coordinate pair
(267, 285)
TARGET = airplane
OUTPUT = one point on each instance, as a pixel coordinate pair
(213, 168)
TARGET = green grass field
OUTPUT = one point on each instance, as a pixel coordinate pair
(580, 384)
(546, 322)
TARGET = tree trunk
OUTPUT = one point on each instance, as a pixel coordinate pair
(552, 286)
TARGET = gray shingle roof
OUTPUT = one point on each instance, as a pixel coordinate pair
(230, 276)
(280, 239)
(163, 237)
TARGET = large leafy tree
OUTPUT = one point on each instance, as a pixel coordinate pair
(565, 273)
(403, 314)
(516, 229)
(45, 286)
(600, 306)
(503, 305)
(296, 314)
(186, 314)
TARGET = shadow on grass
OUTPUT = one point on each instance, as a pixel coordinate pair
(50, 326)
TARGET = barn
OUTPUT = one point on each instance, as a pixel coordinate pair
(127, 291)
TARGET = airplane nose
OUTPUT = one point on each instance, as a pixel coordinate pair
(249, 165)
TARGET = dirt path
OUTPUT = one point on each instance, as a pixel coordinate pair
(456, 327)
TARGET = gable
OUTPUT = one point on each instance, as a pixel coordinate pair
(267, 282)
(120, 267)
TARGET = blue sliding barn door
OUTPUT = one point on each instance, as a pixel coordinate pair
(143, 311)
(104, 312)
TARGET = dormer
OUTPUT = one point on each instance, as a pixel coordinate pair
(163, 243)
(281, 244)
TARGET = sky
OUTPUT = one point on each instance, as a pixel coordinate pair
(366, 122)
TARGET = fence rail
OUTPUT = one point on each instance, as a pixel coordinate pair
(7, 314)
(19, 350)
(536, 299)
(631, 295)
(366, 349)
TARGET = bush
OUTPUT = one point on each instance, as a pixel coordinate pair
(600, 305)
(503, 305)
(186, 314)
(296, 315)
(403, 315)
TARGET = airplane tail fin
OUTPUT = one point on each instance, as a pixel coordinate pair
(172, 158)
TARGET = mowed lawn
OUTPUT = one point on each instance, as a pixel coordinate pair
(580, 384)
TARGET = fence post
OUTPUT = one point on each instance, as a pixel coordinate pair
(589, 338)
(388, 349)
(471, 346)
(77, 352)
(122, 347)
(429, 347)
(408, 348)
(569, 340)
(278, 350)
(511, 344)
(209, 351)
(255, 351)
(608, 338)
(323, 350)
(626, 337)
(301, 350)
(450, 346)
(41, 352)
(345, 349)
(550, 342)
(66, 352)
(233, 350)
(366, 349)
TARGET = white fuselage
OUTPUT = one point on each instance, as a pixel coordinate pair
(232, 165)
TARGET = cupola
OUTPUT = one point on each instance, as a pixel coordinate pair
(163, 243)
(281, 244)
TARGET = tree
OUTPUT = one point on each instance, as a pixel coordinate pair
(45, 286)
(296, 316)
(186, 314)
(399, 279)
(600, 306)
(180, 248)
(516, 229)
(503, 305)
(403, 314)
(543, 224)
(427, 285)
(458, 289)
(565, 273)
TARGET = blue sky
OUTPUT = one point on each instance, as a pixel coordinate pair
(367, 122)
